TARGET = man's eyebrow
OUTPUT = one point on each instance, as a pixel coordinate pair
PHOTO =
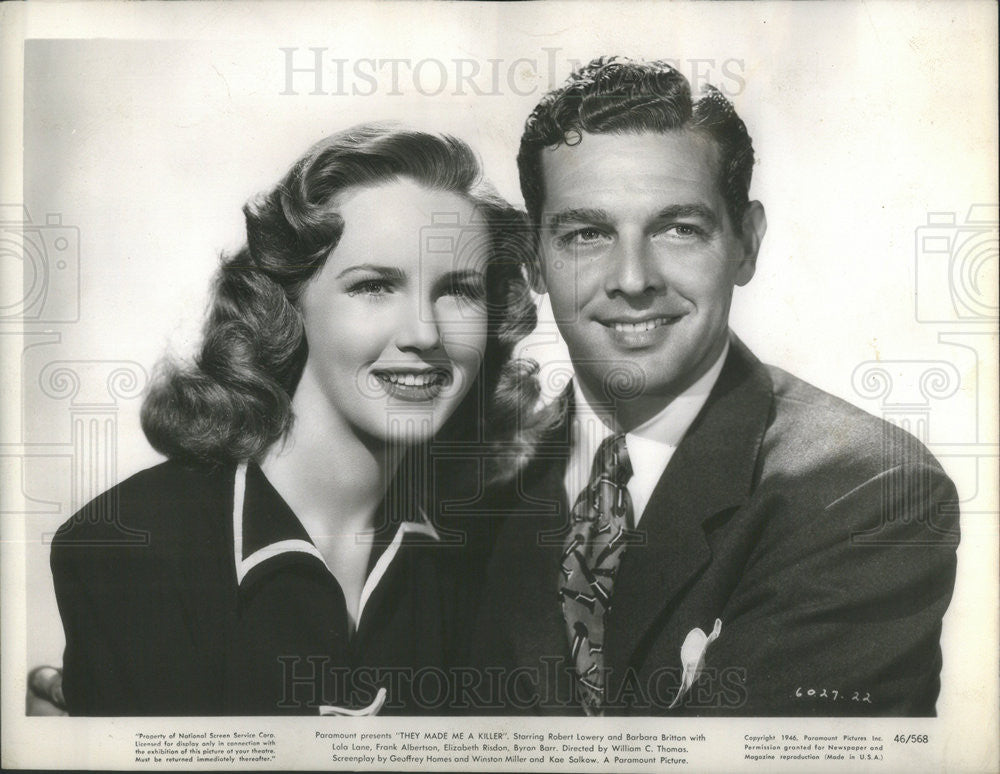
(595, 215)
(389, 272)
(576, 215)
(701, 211)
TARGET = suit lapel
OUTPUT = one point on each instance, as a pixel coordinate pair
(711, 472)
(536, 530)
(542, 632)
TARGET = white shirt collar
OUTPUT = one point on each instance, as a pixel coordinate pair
(650, 446)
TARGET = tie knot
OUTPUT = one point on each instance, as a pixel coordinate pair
(612, 460)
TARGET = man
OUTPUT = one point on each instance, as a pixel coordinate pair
(705, 534)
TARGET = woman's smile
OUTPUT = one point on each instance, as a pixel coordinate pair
(414, 385)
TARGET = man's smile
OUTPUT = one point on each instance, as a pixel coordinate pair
(625, 325)
(634, 332)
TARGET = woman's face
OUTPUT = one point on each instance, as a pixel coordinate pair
(396, 318)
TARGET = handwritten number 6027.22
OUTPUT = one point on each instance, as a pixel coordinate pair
(832, 694)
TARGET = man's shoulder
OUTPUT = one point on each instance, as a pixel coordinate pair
(153, 508)
(829, 444)
(804, 412)
(829, 476)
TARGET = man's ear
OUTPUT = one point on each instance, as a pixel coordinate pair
(535, 266)
(530, 251)
(537, 275)
(754, 228)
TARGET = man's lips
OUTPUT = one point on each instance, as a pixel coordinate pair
(638, 324)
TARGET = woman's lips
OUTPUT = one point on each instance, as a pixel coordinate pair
(414, 386)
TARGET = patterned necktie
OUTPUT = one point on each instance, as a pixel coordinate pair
(600, 528)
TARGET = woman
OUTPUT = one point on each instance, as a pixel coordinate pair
(375, 307)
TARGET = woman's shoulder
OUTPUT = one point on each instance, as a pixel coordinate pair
(166, 500)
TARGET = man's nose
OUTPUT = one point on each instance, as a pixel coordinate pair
(633, 270)
(417, 328)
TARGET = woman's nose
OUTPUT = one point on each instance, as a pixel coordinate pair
(417, 328)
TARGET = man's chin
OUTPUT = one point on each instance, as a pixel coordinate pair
(624, 381)
(648, 378)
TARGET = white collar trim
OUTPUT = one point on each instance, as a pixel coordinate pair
(245, 565)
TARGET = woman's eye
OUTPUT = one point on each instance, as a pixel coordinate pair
(468, 291)
(370, 287)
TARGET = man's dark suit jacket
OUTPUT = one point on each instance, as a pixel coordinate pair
(822, 537)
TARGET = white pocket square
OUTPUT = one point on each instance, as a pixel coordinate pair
(693, 657)
(372, 709)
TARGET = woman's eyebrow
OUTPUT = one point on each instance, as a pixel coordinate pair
(461, 275)
(466, 274)
(389, 272)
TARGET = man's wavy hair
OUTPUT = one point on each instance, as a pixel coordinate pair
(234, 401)
(615, 95)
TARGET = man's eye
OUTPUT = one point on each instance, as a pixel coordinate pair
(370, 287)
(582, 237)
(589, 235)
(684, 230)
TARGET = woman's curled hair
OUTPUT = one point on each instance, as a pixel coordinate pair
(234, 400)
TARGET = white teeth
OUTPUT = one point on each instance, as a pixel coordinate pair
(413, 380)
(645, 325)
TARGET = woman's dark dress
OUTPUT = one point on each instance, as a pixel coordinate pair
(167, 611)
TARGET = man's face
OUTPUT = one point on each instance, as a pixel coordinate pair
(640, 259)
